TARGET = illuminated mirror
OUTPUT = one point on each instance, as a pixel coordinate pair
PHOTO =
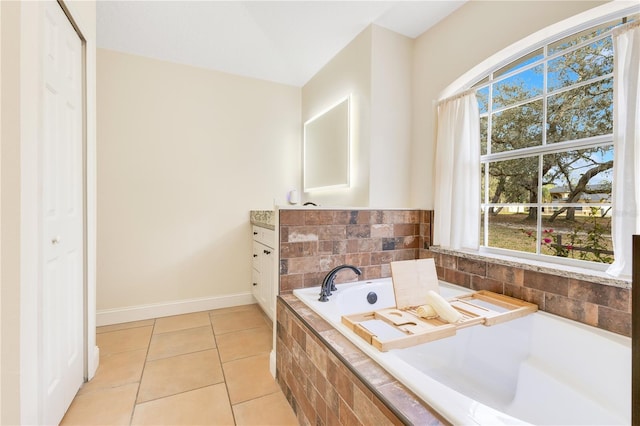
(326, 148)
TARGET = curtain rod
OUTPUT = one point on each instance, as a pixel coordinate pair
(625, 27)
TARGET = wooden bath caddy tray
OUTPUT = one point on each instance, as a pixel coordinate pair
(395, 328)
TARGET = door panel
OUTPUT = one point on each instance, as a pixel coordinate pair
(62, 316)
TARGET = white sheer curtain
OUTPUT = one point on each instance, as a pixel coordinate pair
(626, 138)
(457, 173)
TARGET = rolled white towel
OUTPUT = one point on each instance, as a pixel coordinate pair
(444, 309)
(426, 311)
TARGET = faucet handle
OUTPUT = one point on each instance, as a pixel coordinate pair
(333, 284)
(325, 292)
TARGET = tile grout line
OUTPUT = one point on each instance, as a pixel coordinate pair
(180, 330)
(182, 354)
(255, 398)
(146, 360)
(244, 329)
(265, 323)
(224, 377)
(178, 393)
(122, 329)
(135, 401)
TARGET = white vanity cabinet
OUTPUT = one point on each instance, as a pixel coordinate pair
(264, 263)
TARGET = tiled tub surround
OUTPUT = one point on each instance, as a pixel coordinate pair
(567, 294)
(538, 368)
(312, 242)
(329, 381)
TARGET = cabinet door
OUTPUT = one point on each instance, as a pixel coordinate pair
(255, 283)
(261, 274)
(257, 250)
(266, 278)
(263, 261)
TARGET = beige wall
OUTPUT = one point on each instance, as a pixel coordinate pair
(349, 72)
(183, 155)
(391, 67)
(376, 69)
(10, 214)
(465, 38)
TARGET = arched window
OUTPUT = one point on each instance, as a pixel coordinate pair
(547, 149)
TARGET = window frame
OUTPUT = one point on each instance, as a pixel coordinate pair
(489, 79)
(572, 25)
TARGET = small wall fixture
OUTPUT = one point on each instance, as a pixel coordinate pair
(294, 197)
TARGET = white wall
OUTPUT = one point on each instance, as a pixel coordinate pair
(376, 69)
(183, 155)
(465, 38)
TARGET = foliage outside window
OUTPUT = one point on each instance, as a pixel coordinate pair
(547, 150)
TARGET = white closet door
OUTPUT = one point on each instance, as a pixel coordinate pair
(60, 136)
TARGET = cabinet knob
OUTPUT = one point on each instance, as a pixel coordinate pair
(255, 284)
(255, 255)
(266, 251)
(255, 233)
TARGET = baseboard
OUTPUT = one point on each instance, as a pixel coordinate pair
(157, 310)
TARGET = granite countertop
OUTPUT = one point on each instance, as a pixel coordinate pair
(263, 218)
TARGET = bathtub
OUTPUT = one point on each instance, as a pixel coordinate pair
(540, 369)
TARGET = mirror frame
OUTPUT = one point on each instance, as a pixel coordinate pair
(313, 177)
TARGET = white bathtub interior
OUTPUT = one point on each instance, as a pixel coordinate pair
(539, 369)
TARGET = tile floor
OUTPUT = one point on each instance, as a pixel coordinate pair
(204, 368)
